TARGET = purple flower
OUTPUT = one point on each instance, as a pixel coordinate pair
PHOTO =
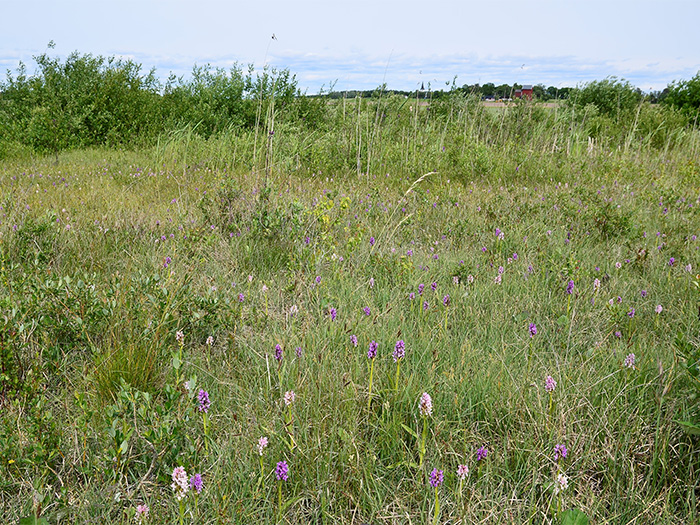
(433, 286)
(481, 453)
(318, 279)
(497, 232)
(241, 297)
(671, 261)
(630, 314)
(533, 330)
(436, 477)
(372, 352)
(425, 305)
(570, 287)
(334, 313)
(618, 334)
(299, 352)
(371, 241)
(550, 384)
(560, 452)
(446, 300)
(420, 289)
(425, 405)
(167, 261)
(411, 296)
(630, 360)
(366, 310)
(399, 350)
(204, 403)
(353, 340)
(643, 293)
(278, 352)
(196, 483)
(282, 471)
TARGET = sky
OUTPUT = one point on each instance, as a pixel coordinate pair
(361, 44)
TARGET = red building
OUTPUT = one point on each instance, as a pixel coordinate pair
(525, 92)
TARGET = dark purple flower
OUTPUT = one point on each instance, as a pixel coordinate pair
(570, 287)
(436, 478)
(371, 241)
(643, 293)
(481, 453)
(241, 297)
(334, 313)
(515, 256)
(399, 350)
(282, 471)
(425, 305)
(533, 330)
(299, 351)
(630, 314)
(167, 261)
(372, 352)
(196, 483)
(446, 300)
(671, 261)
(318, 279)
(433, 286)
(411, 296)
(420, 289)
(204, 403)
(278, 352)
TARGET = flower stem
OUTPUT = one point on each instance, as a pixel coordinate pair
(369, 395)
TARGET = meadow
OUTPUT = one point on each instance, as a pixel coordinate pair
(404, 314)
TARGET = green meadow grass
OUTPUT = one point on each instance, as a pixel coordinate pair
(106, 254)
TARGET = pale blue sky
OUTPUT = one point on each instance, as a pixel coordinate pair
(361, 43)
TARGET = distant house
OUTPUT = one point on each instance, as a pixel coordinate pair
(525, 92)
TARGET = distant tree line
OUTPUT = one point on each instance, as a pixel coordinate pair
(88, 100)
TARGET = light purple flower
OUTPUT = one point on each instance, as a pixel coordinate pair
(462, 471)
(241, 297)
(366, 310)
(204, 403)
(630, 314)
(371, 241)
(550, 384)
(289, 397)
(298, 351)
(425, 405)
(353, 340)
(659, 309)
(262, 445)
(560, 452)
(630, 360)
(399, 350)
(179, 484)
